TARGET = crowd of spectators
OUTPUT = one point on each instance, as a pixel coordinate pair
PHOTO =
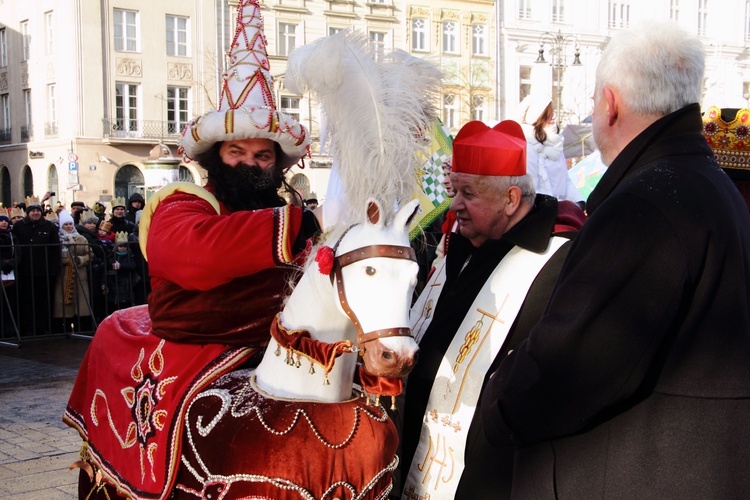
(64, 270)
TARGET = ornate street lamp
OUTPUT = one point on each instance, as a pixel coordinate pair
(559, 44)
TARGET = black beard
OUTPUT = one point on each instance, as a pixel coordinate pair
(243, 187)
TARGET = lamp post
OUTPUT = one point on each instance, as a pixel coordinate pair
(559, 43)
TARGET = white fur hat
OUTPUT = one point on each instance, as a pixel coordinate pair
(532, 107)
(246, 105)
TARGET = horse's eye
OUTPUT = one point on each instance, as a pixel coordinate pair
(370, 271)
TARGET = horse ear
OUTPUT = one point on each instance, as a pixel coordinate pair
(406, 214)
(374, 213)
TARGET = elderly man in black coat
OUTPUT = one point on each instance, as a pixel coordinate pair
(38, 269)
(636, 381)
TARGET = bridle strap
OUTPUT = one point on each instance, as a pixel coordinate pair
(369, 252)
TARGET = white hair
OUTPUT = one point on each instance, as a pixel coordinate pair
(657, 68)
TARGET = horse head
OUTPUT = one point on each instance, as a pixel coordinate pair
(374, 273)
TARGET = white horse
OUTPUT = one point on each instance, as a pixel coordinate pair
(365, 301)
(303, 432)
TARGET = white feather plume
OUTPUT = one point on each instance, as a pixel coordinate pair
(376, 113)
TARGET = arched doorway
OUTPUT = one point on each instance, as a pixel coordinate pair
(301, 184)
(186, 175)
(28, 181)
(129, 180)
(53, 184)
(5, 196)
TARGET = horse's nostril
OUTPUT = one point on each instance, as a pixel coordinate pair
(387, 355)
(416, 357)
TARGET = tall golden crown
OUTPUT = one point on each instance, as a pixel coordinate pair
(730, 140)
(88, 214)
(118, 201)
(17, 212)
(52, 217)
(121, 237)
(32, 200)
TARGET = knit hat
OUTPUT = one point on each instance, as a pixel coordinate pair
(498, 151)
(5, 218)
(78, 204)
(65, 217)
(246, 106)
(532, 107)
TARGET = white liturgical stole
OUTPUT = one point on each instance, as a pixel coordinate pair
(439, 459)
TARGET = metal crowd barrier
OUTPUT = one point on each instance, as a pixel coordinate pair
(42, 298)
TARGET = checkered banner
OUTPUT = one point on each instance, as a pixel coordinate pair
(433, 199)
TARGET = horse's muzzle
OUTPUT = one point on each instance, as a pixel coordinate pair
(382, 361)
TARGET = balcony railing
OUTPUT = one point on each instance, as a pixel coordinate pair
(27, 133)
(50, 129)
(165, 131)
(5, 134)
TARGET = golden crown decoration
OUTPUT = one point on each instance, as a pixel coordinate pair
(88, 214)
(17, 212)
(729, 140)
(105, 226)
(32, 200)
(52, 217)
(118, 201)
(121, 238)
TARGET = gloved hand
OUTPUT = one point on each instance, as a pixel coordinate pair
(309, 229)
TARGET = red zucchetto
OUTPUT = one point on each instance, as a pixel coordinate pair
(481, 150)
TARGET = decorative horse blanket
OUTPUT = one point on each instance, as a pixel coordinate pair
(240, 443)
(130, 397)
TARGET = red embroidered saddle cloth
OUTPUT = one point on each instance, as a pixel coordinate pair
(129, 400)
(242, 444)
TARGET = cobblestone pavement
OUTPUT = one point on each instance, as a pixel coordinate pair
(36, 448)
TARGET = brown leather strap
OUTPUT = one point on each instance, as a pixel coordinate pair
(372, 251)
(368, 252)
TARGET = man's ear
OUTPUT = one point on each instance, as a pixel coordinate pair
(612, 99)
(514, 200)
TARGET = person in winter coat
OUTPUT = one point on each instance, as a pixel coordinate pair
(72, 293)
(545, 161)
(88, 229)
(135, 203)
(38, 268)
(7, 272)
(121, 275)
(635, 382)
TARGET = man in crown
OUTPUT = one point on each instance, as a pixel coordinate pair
(220, 258)
(38, 269)
(118, 220)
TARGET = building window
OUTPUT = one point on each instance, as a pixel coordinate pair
(449, 110)
(3, 49)
(524, 79)
(674, 10)
(177, 36)
(50, 127)
(450, 37)
(49, 33)
(558, 11)
(126, 107)
(377, 40)
(5, 127)
(26, 130)
(287, 38)
(702, 16)
(419, 35)
(178, 100)
(25, 41)
(478, 108)
(479, 39)
(332, 30)
(524, 9)
(290, 106)
(126, 30)
(619, 14)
